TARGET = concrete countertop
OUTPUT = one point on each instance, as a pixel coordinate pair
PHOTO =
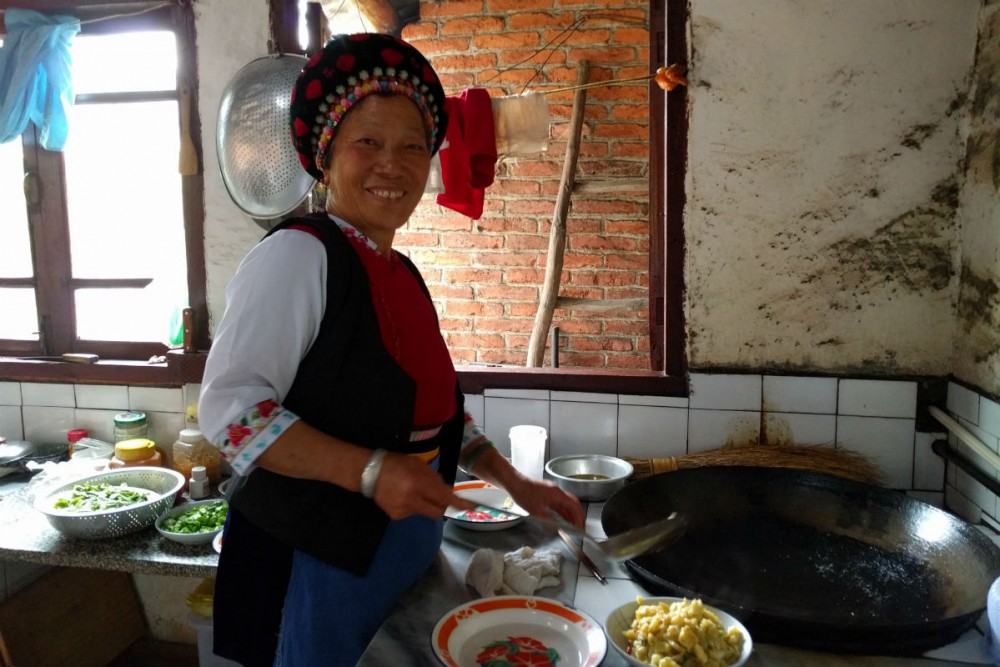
(26, 535)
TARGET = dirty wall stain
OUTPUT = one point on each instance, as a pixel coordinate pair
(978, 314)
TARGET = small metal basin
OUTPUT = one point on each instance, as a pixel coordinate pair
(589, 477)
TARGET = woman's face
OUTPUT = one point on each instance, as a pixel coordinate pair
(379, 163)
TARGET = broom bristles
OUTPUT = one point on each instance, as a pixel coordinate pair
(814, 458)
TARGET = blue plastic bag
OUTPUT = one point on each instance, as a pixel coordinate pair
(35, 76)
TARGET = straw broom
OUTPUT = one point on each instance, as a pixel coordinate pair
(813, 458)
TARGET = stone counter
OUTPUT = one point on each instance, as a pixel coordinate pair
(26, 535)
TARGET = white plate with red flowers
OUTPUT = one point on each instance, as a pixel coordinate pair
(521, 630)
(485, 518)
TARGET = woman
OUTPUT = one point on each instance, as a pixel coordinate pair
(329, 387)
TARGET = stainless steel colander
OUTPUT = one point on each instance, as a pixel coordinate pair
(163, 482)
(259, 165)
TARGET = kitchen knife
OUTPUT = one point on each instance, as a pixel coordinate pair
(582, 556)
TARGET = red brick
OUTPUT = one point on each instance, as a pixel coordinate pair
(438, 258)
(523, 309)
(472, 241)
(455, 323)
(462, 356)
(479, 341)
(472, 25)
(615, 278)
(467, 276)
(501, 6)
(626, 149)
(530, 207)
(634, 227)
(510, 259)
(594, 344)
(527, 242)
(450, 221)
(605, 55)
(632, 261)
(405, 239)
(524, 276)
(582, 260)
(580, 293)
(419, 31)
(512, 187)
(454, 83)
(507, 293)
(577, 326)
(524, 20)
(503, 325)
(433, 10)
(568, 359)
(472, 308)
(504, 357)
(507, 224)
(633, 361)
(506, 40)
(448, 290)
(630, 35)
(637, 328)
(464, 63)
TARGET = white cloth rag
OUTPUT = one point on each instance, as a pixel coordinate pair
(520, 572)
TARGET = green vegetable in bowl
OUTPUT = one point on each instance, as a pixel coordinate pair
(201, 519)
(90, 497)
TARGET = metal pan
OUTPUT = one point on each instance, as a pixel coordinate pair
(811, 560)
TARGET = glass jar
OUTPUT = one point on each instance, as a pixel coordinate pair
(74, 436)
(135, 452)
(130, 425)
(192, 449)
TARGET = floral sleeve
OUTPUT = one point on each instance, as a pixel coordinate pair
(258, 427)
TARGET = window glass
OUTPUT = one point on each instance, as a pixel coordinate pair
(127, 315)
(112, 63)
(20, 315)
(14, 238)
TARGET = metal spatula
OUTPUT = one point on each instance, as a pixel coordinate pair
(622, 546)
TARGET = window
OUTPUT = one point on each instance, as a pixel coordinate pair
(667, 157)
(98, 237)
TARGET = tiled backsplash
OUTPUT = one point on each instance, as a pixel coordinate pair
(875, 417)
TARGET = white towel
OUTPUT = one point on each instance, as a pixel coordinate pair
(520, 572)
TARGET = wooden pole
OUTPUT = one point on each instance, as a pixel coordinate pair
(557, 234)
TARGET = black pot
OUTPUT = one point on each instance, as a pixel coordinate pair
(812, 560)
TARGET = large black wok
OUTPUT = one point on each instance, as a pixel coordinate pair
(811, 560)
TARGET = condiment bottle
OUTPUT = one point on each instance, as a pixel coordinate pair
(198, 484)
(193, 449)
(135, 452)
(74, 436)
(130, 425)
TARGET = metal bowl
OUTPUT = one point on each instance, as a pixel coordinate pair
(164, 483)
(590, 477)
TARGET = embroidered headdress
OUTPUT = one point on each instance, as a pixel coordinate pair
(345, 71)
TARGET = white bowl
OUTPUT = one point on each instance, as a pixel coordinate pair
(189, 538)
(621, 619)
(164, 483)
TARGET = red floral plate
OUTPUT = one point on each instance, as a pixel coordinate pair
(483, 518)
(518, 630)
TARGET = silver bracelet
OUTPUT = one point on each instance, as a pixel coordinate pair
(372, 469)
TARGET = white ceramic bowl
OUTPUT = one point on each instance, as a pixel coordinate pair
(621, 618)
(189, 538)
(589, 477)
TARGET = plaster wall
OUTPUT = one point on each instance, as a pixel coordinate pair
(977, 341)
(826, 152)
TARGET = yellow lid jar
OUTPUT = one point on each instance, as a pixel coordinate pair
(135, 452)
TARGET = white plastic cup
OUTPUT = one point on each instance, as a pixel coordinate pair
(527, 450)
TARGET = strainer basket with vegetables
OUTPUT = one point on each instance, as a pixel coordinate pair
(161, 486)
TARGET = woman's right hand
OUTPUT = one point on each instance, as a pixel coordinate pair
(408, 486)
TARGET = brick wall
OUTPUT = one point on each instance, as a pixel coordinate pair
(486, 275)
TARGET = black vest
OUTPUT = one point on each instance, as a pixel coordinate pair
(349, 386)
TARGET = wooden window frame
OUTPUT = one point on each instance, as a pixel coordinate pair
(48, 216)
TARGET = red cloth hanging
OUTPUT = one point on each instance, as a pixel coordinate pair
(469, 153)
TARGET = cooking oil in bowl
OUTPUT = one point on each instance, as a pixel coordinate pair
(593, 477)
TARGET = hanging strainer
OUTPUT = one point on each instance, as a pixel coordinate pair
(259, 164)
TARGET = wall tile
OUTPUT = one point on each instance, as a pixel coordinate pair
(11, 426)
(960, 504)
(532, 394)
(45, 394)
(725, 392)
(164, 427)
(156, 399)
(47, 425)
(989, 416)
(583, 397)
(475, 405)
(10, 393)
(502, 413)
(933, 498)
(646, 431)
(792, 428)
(877, 398)
(100, 424)
(800, 394)
(102, 396)
(970, 488)
(888, 442)
(928, 467)
(711, 429)
(963, 402)
(659, 401)
(583, 428)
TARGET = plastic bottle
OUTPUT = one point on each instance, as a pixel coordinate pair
(74, 436)
(193, 449)
(130, 425)
(198, 483)
(135, 452)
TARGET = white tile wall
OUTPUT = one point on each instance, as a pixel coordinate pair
(889, 442)
(646, 431)
(583, 428)
(877, 398)
(980, 415)
(800, 394)
(10, 393)
(726, 392)
(44, 394)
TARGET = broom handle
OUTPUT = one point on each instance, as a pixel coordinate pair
(965, 436)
